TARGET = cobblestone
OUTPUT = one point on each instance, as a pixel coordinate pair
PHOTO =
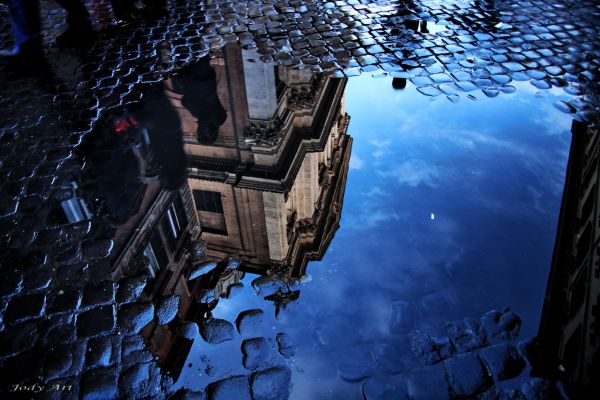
(445, 48)
(216, 330)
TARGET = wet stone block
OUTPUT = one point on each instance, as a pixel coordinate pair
(19, 338)
(133, 317)
(466, 375)
(99, 384)
(24, 307)
(206, 296)
(136, 357)
(431, 349)
(8, 206)
(501, 325)
(10, 282)
(216, 330)
(466, 334)
(427, 384)
(99, 270)
(94, 249)
(186, 394)
(389, 357)
(495, 393)
(98, 293)
(134, 378)
(354, 373)
(130, 344)
(249, 322)
(96, 321)
(38, 278)
(201, 269)
(328, 334)
(101, 352)
(130, 289)
(436, 303)
(188, 330)
(271, 384)
(39, 186)
(235, 387)
(539, 389)
(402, 317)
(503, 361)
(167, 309)
(63, 300)
(71, 275)
(76, 232)
(58, 329)
(57, 363)
(67, 255)
(381, 389)
(286, 348)
(256, 353)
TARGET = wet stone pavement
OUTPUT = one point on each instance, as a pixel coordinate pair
(67, 330)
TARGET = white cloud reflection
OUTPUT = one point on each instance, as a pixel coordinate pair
(413, 173)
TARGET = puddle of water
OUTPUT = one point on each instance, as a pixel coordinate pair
(449, 207)
(361, 211)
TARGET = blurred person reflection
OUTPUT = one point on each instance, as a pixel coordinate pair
(26, 28)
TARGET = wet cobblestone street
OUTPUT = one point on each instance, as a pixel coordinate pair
(72, 324)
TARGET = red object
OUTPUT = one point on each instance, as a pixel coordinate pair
(124, 123)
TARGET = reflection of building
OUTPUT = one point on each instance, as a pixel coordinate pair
(158, 249)
(268, 157)
(128, 171)
(570, 327)
(269, 189)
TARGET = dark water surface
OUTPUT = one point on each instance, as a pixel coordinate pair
(449, 209)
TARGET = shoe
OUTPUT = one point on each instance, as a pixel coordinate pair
(76, 38)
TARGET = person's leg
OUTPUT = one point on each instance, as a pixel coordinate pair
(78, 17)
(79, 32)
(122, 9)
(26, 26)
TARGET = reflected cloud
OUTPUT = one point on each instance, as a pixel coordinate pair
(376, 192)
(356, 162)
(381, 147)
(413, 173)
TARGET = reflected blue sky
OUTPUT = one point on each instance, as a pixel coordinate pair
(451, 207)
(459, 198)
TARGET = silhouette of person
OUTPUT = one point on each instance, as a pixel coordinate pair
(161, 124)
(198, 85)
(129, 10)
(26, 27)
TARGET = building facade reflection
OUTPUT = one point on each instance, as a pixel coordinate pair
(569, 331)
(230, 167)
(269, 190)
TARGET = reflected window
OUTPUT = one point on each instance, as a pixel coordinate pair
(156, 254)
(210, 212)
(174, 223)
(208, 201)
